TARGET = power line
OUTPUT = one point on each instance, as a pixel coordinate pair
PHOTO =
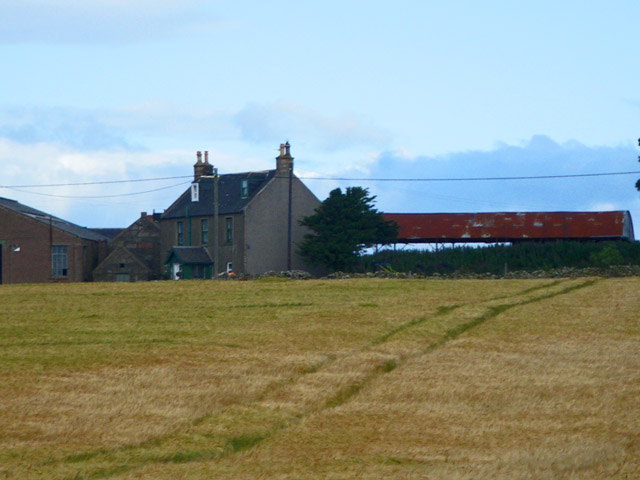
(470, 179)
(107, 182)
(18, 188)
(96, 196)
(445, 179)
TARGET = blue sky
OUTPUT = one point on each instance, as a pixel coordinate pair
(117, 90)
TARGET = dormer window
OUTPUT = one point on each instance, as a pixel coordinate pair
(195, 192)
(244, 189)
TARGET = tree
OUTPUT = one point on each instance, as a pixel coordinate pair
(638, 182)
(343, 226)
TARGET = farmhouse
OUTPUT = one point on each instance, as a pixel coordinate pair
(38, 247)
(255, 214)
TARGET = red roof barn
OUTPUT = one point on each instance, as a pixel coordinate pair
(511, 226)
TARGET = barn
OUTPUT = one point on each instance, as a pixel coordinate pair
(38, 247)
(511, 227)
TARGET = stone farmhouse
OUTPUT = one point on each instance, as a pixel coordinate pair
(255, 214)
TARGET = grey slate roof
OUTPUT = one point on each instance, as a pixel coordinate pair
(229, 195)
(110, 233)
(68, 227)
(189, 256)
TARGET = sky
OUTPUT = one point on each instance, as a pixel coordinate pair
(365, 91)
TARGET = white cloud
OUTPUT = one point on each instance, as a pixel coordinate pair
(154, 125)
(273, 123)
(80, 129)
(103, 205)
(23, 166)
(538, 157)
(98, 21)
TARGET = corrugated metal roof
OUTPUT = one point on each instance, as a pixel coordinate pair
(60, 224)
(511, 226)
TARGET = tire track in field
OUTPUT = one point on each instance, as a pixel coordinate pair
(370, 363)
(492, 311)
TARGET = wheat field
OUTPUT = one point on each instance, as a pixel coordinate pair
(335, 379)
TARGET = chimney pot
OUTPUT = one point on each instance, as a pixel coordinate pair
(199, 168)
(284, 162)
(206, 157)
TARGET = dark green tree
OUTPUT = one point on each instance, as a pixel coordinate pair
(343, 226)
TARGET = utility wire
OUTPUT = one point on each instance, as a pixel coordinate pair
(96, 196)
(96, 183)
(18, 188)
(470, 179)
(449, 179)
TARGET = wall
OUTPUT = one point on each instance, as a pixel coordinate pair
(32, 264)
(120, 263)
(266, 226)
(142, 239)
(228, 252)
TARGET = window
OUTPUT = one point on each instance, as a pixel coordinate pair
(244, 189)
(229, 267)
(180, 234)
(195, 192)
(205, 232)
(229, 229)
(59, 267)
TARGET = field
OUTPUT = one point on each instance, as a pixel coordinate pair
(334, 379)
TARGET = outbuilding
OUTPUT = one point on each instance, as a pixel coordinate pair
(38, 247)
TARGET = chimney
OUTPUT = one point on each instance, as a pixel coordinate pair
(207, 168)
(198, 167)
(284, 161)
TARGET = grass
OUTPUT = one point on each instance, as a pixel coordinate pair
(321, 379)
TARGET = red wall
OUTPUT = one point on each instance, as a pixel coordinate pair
(32, 263)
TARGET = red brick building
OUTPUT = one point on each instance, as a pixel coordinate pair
(134, 254)
(37, 247)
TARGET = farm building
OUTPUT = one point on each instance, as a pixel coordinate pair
(38, 247)
(257, 220)
(511, 226)
(134, 253)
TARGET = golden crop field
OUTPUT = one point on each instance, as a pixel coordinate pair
(332, 379)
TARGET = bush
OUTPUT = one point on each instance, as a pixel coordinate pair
(498, 258)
